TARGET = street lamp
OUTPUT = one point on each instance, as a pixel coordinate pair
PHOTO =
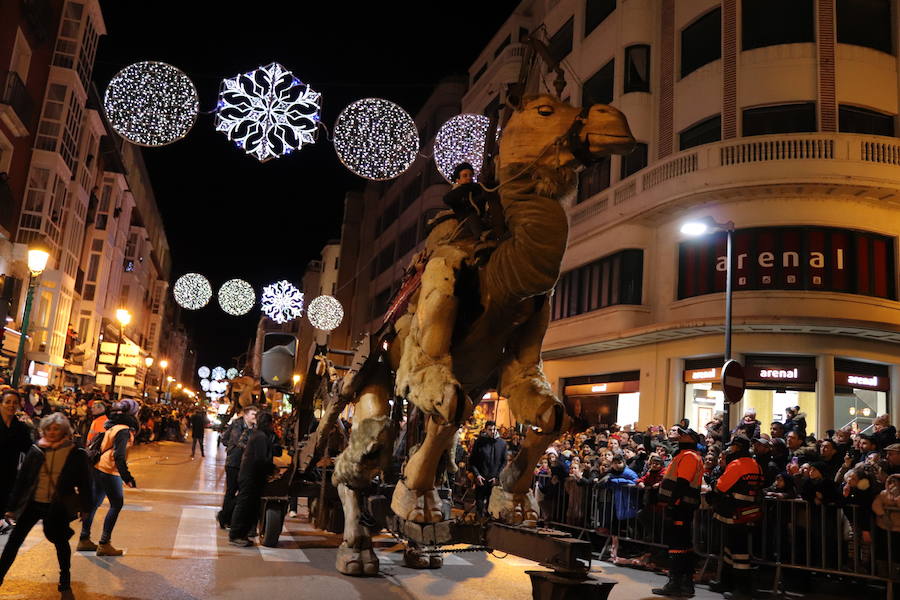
(37, 262)
(163, 364)
(124, 318)
(169, 381)
(148, 362)
(702, 227)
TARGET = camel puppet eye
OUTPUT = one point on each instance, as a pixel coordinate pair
(545, 110)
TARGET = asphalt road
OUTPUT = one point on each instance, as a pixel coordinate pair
(175, 551)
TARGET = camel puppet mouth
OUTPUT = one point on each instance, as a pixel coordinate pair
(603, 144)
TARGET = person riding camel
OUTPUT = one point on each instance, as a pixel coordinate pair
(468, 200)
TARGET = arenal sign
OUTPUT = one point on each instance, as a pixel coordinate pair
(866, 382)
(824, 259)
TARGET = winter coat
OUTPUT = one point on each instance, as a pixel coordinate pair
(886, 437)
(235, 440)
(74, 487)
(14, 440)
(887, 511)
(625, 498)
(796, 423)
(256, 460)
(487, 457)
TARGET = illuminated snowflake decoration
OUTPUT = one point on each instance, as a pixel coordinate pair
(236, 297)
(204, 385)
(192, 291)
(376, 139)
(461, 139)
(203, 372)
(268, 112)
(232, 373)
(325, 313)
(151, 103)
(218, 373)
(282, 302)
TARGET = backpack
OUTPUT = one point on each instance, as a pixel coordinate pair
(95, 448)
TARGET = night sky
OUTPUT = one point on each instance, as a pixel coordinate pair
(226, 215)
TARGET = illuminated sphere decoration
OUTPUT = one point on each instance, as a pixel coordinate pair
(461, 139)
(376, 139)
(231, 373)
(203, 372)
(151, 103)
(325, 313)
(236, 297)
(282, 302)
(218, 373)
(268, 112)
(204, 384)
(192, 291)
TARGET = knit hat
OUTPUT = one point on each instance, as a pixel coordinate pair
(126, 406)
(883, 420)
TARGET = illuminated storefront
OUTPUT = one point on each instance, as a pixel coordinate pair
(605, 399)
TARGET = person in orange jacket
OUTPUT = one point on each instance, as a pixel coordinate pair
(680, 493)
(98, 425)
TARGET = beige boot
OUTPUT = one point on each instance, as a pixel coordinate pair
(85, 545)
(106, 549)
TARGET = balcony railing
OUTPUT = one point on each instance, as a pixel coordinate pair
(16, 95)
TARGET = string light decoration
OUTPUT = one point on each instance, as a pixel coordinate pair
(232, 373)
(268, 112)
(151, 103)
(461, 139)
(203, 372)
(282, 302)
(325, 313)
(204, 384)
(218, 373)
(376, 139)
(192, 291)
(236, 297)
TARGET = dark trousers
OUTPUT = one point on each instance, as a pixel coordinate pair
(678, 535)
(56, 530)
(736, 553)
(105, 486)
(482, 497)
(231, 490)
(197, 441)
(246, 509)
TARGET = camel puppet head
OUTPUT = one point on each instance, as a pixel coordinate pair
(547, 136)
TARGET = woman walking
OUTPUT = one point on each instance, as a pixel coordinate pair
(53, 486)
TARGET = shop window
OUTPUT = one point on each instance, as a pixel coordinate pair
(772, 22)
(852, 119)
(701, 42)
(860, 393)
(595, 12)
(865, 23)
(783, 118)
(705, 132)
(598, 89)
(593, 179)
(637, 68)
(612, 398)
(560, 44)
(612, 280)
(633, 162)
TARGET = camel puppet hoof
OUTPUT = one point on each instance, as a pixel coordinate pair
(415, 506)
(415, 559)
(356, 562)
(513, 509)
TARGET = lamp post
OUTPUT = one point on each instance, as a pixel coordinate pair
(169, 381)
(124, 318)
(163, 364)
(37, 262)
(148, 362)
(702, 227)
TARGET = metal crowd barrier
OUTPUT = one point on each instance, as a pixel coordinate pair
(793, 535)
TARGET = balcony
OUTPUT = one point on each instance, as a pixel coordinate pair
(17, 108)
(868, 164)
(502, 70)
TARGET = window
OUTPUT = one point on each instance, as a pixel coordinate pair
(506, 42)
(595, 12)
(88, 50)
(69, 149)
(593, 180)
(407, 240)
(51, 124)
(865, 23)
(701, 42)
(771, 22)
(380, 303)
(67, 41)
(612, 280)
(560, 44)
(634, 162)
(852, 119)
(637, 68)
(479, 73)
(704, 132)
(784, 118)
(385, 259)
(599, 88)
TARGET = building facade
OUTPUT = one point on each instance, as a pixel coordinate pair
(779, 117)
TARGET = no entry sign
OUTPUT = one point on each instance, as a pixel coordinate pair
(733, 382)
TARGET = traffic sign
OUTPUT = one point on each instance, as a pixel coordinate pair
(733, 382)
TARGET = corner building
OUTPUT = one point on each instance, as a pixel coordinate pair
(778, 116)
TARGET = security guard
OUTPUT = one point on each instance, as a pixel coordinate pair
(680, 492)
(736, 504)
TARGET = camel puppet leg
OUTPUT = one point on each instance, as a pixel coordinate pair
(531, 400)
(369, 452)
(426, 379)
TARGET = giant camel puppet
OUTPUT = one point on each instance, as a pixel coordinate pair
(476, 325)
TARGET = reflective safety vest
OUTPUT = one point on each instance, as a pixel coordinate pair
(739, 492)
(686, 465)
